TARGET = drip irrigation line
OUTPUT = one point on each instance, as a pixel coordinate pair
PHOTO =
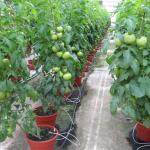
(143, 147)
(66, 138)
(75, 101)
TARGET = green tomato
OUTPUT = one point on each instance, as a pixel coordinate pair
(2, 96)
(80, 54)
(68, 28)
(60, 74)
(67, 76)
(52, 32)
(141, 42)
(62, 44)
(65, 69)
(6, 62)
(59, 35)
(54, 49)
(118, 42)
(54, 37)
(59, 54)
(129, 39)
(73, 49)
(66, 55)
(56, 69)
(60, 29)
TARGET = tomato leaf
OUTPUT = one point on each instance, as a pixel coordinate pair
(114, 104)
(127, 58)
(135, 66)
(136, 90)
(147, 107)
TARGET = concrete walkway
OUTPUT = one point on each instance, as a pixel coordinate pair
(97, 128)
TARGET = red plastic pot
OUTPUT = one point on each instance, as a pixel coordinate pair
(78, 81)
(31, 66)
(46, 120)
(82, 74)
(93, 53)
(30, 61)
(15, 78)
(90, 58)
(142, 133)
(66, 95)
(86, 68)
(43, 145)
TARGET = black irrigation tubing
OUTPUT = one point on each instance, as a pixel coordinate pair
(72, 126)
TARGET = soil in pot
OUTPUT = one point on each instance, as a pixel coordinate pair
(40, 112)
(46, 141)
(45, 134)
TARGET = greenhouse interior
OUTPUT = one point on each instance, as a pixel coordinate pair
(74, 74)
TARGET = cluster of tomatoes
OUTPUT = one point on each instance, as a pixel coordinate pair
(131, 39)
(62, 52)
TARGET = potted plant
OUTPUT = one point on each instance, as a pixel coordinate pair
(38, 136)
(129, 66)
(46, 139)
(13, 71)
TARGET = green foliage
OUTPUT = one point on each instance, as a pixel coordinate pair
(130, 64)
(61, 34)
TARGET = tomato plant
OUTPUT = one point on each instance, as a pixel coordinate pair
(13, 70)
(130, 66)
(61, 34)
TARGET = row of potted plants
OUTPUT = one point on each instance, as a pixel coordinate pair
(129, 65)
(62, 36)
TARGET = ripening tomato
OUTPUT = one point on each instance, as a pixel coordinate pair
(60, 29)
(141, 42)
(129, 39)
(54, 49)
(56, 69)
(80, 54)
(59, 54)
(54, 37)
(60, 74)
(66, 55)
(68, 28)
(67, 76)
(59, 35)
(118, 42)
